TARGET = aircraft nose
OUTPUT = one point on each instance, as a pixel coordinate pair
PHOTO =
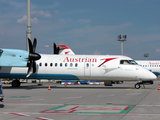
(149, 75)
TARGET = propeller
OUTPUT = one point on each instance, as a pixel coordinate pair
(56, 49)
(32, 57)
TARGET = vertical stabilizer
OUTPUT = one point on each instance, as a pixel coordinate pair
(65, 50)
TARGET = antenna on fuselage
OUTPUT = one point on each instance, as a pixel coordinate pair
(28, 26)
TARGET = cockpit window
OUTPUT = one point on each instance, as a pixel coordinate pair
(124, 62)
(133, 62)
(128, 62)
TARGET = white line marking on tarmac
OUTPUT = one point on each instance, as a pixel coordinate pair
(134, 94)
(29, 104)
(71, 97)
(31, 99)
(42, 118)
(148, 105)
(105, 95)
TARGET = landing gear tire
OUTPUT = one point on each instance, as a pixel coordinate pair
(137, 86)
(16, 83)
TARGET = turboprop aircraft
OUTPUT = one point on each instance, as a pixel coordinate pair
(152, 65)
(106, 68)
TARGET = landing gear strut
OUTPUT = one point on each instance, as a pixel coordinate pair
(138, 85)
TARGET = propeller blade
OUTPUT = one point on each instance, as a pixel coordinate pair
(30, 46)
(32, 57)
(56, 49)
(34, 67)
(30, 69)
(34, 44)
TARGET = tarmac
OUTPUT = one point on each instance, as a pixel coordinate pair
(80, 102)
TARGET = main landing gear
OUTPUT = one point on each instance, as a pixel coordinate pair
(138, 85)
(16, 83)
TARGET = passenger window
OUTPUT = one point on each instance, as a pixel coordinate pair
(65, 64)
(40, 64)
(60, 64)
(87, 65)
(56, 64)
(45, 64)
(51, 64)
(71, 64)
(76, 65)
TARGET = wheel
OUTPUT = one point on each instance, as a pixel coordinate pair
(137, 86)
(15, 83)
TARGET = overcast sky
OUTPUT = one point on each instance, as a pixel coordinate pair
(86, 26)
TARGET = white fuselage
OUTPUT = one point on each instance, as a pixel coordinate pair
(152, 65)
(82, 67)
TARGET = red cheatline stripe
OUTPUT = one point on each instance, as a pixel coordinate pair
(19, 114)
(73, 109)
(126, 108)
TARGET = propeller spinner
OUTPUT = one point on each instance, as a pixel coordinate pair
(32, 57)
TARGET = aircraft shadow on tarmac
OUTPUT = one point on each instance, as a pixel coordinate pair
(29, 87)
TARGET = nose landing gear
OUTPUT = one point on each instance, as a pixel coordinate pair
(138, 85)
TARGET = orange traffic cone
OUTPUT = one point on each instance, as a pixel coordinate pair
(42, 84)
(159, 87)
(49, 87)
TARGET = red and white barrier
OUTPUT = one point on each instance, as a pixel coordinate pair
(96, 83)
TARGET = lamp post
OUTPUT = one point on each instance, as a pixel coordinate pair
(146, 55)
(28, 25)
(122, 38)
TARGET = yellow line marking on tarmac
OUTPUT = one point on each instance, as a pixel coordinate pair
(142, 88)
(129, 89)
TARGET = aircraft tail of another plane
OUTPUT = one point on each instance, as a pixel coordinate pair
(65, 50)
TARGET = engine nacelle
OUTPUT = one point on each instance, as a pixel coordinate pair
(13, 58)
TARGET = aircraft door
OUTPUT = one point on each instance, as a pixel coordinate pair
(87, 69)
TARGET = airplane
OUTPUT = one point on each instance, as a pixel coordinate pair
(152, 65)
(105, 68)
